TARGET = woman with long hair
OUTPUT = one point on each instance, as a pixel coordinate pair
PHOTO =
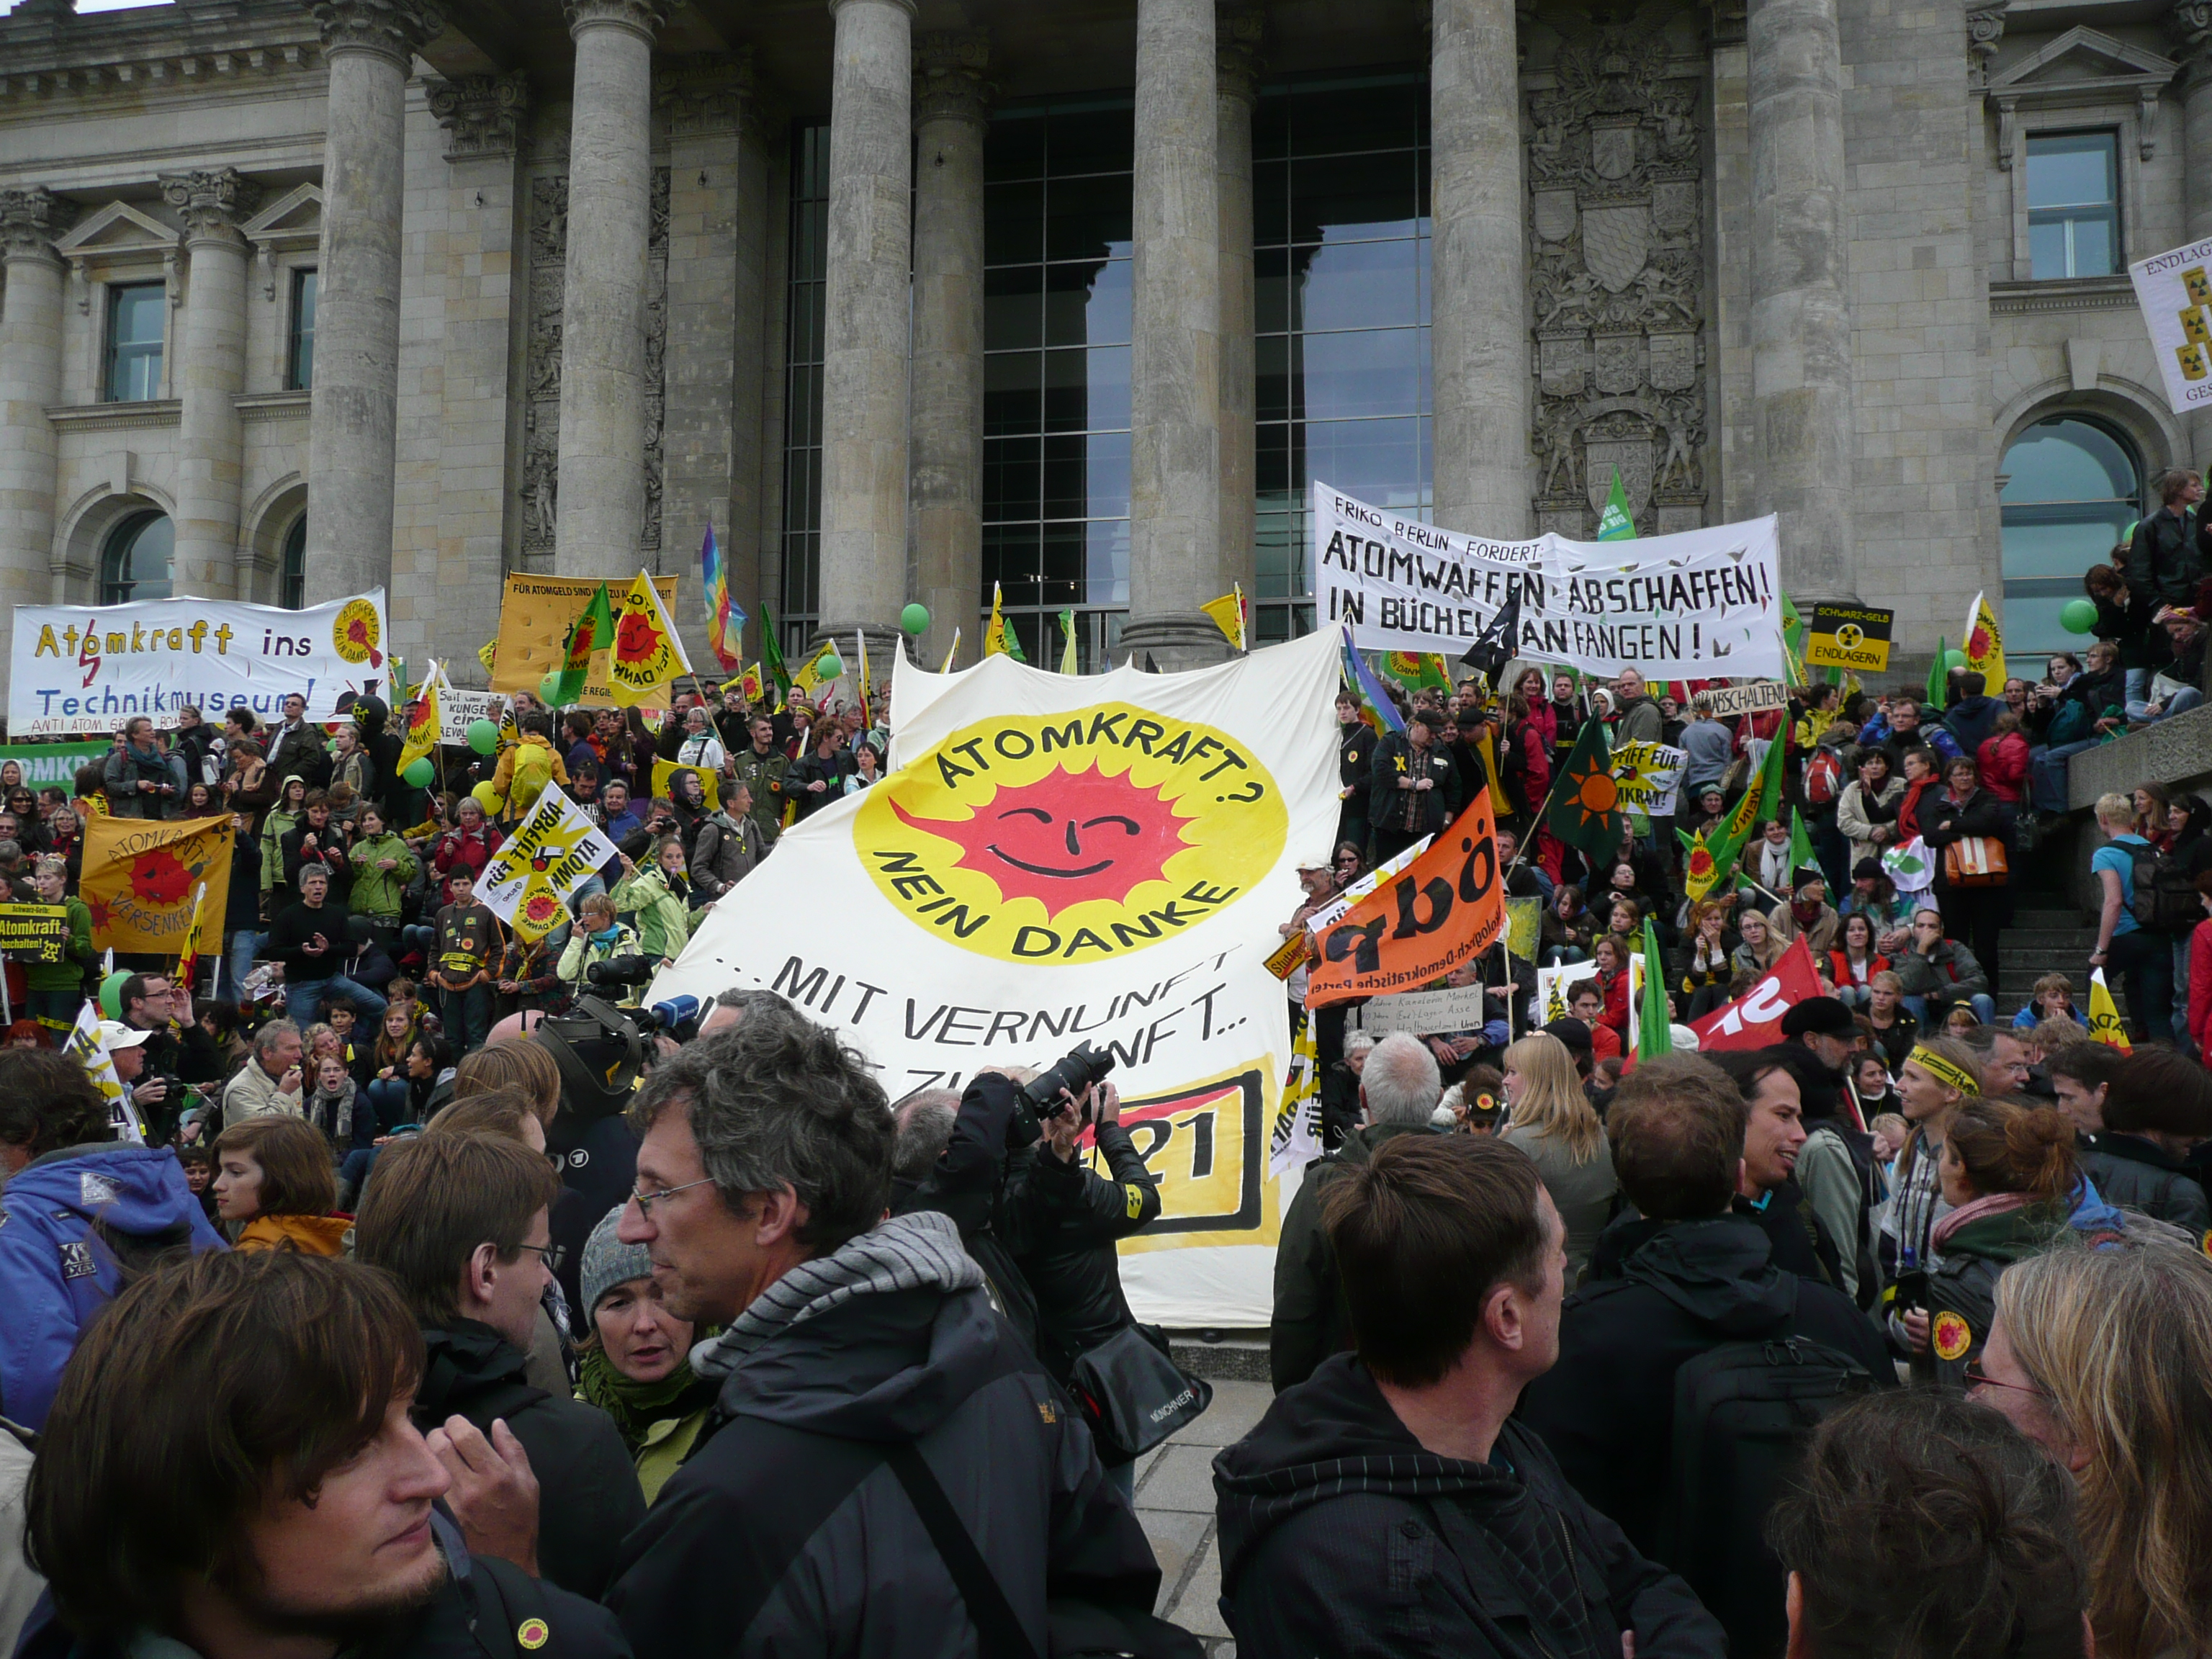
(275, 1187)
(1611, 954)
(1920, 779)
(2008, 1172)
(2153, 804)
(1706, 961)
(1568, 929)
(1758, 949)
(1551, 1119)
(1855, 962)
(1965, 813)
(2103, 1359)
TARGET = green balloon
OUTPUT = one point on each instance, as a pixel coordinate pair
(915, 619)
(832, 666)
(1953, 660)
(2078, 617)
(549, 689)
(483, 737)
(111, 994)
(416, 772)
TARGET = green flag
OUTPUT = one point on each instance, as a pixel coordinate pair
(1653, 1025)
(1616, 523)
(1938, 683)
(772, 655)
(1069, 662)
(593, 631)
(1801, 851)
(1585, 809)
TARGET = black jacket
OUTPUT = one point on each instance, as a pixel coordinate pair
(304, 752)
(969, 1183)
(1310, 1321)
(481, 1610)
(294, 927)
(1072, 1218)
(1396, 757)
(786, 1533)
(1355, 767)
(1342, 1535)
(1800, 1243)
(2137, 1174)
(329, 852)
(1607, 1409)
(1943, 821)
(588, 1494)
(2166, 557)
(1968, 719)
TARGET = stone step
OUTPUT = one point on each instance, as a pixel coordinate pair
(2034, 919)
(1235, 1356)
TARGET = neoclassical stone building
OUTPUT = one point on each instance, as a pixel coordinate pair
(908, 297)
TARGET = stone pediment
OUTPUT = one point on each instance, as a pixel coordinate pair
(2080, 69)
(297, 212)
(116, 230)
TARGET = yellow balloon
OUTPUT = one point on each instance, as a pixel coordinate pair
(487, 798)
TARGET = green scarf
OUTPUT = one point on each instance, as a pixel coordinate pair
(636, 1407)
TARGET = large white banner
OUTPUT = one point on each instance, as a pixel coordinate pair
(89, 668)
(1699, 605)
(1063, 858)
(2173, 290)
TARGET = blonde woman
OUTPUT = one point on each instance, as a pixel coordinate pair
(1551, 1119)
(2103, 1359)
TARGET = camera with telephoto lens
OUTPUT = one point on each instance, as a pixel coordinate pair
(1075, 1071)
(620, 971)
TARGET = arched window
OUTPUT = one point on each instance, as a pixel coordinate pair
(135, 563)
(292, 569)
(2072, 485)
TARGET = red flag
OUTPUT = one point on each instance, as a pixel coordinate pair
(1754, 1020)
(1442, 909)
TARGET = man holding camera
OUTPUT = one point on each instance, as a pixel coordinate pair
(887, 1469)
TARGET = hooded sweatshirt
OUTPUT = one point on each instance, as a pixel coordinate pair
(55, 1273)
(786, 1533)
(1607, 1409)
(1341, 1534)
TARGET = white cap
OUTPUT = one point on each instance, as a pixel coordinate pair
(116, 1034)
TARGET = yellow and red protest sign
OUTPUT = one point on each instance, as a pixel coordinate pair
(535, 615)
(140, 876)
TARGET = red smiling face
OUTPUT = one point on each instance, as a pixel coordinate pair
(1064, 840)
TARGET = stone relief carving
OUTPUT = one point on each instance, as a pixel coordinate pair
(541, 417)
(1616, 285)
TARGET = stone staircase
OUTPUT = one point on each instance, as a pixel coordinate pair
(2042, 941)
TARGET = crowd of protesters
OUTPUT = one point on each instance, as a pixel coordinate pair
(1893, 1337)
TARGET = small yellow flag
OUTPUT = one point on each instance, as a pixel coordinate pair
(488, 653)
(1228, 614)
(2105, 1025)
(951, 652)
(1985, 645)
(646, 654)
(998, 638)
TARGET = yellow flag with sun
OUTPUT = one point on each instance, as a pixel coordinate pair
(646, 654)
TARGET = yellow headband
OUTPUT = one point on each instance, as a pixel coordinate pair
(1942, 1070)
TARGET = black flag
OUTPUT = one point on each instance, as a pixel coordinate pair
(1150, 667)
(1500, 642)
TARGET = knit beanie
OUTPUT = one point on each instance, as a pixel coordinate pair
(608, 1261)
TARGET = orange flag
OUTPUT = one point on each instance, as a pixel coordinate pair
(1440, 911)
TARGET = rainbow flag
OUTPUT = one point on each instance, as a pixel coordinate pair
(1378, 710)
(726, 624)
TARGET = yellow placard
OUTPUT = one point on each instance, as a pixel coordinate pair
(1849, 636)
(535, 613)
(663, 773)
(140, 875)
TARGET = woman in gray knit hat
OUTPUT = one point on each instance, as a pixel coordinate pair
(636, 1358)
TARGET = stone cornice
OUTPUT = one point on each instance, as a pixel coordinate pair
(213, 202)
(393, 29)
(30, 220)
(640, 17)
(1985, 22)
(2068, 294)
(948, 75)
(154, 413)
(1239, 28)
(482, 114)
(271, 405)
(67, 75)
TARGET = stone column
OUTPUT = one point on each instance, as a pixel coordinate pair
(1174, 362)
(30, 379)
(1800, 326)
(601, 503)
(1479, 331)
(210, 373)
(1236, 72)
(865, 325)
(948, 123)
(2190, 26)
(352, 422)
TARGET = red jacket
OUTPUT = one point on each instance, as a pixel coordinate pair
(2003, 763)
(1839, 967)
(1616, 1002)
(2200, 985)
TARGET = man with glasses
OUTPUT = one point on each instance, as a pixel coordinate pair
(461, 1222)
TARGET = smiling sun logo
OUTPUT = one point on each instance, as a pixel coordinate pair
(1071, 837)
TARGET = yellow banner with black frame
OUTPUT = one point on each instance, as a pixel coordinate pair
(1849, 636)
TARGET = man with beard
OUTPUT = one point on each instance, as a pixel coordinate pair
(230, 1470)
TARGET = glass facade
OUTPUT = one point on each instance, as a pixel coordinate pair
(1341, 240)
(299, 357)
(136, 314)
(2072, 486)
(1056, 245)
(802, 405)
(135, 563)
(1340, 234)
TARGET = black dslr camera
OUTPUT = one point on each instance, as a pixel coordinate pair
(620, 972)
(1039, 1099)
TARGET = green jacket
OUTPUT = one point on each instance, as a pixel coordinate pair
(274, 828)
(378, 892)
(663, 922)
(1311, 1321)
(582, 951)
(77, 955)
(763, 775)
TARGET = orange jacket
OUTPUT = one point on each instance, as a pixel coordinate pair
(311, 1235)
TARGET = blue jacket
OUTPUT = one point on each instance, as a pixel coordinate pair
(55, 1274)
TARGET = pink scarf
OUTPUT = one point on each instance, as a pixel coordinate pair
(1973, 1210)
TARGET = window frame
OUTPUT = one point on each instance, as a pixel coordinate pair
(2111, 136)
(121, 539)
(2029, 588)
(296, 378)
(110, 346)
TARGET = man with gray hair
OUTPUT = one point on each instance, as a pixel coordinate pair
(1399, 1088)
(873, 1407)
(269, 1082)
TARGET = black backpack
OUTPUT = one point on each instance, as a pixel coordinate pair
(2165, 900)
(1742, 1413)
